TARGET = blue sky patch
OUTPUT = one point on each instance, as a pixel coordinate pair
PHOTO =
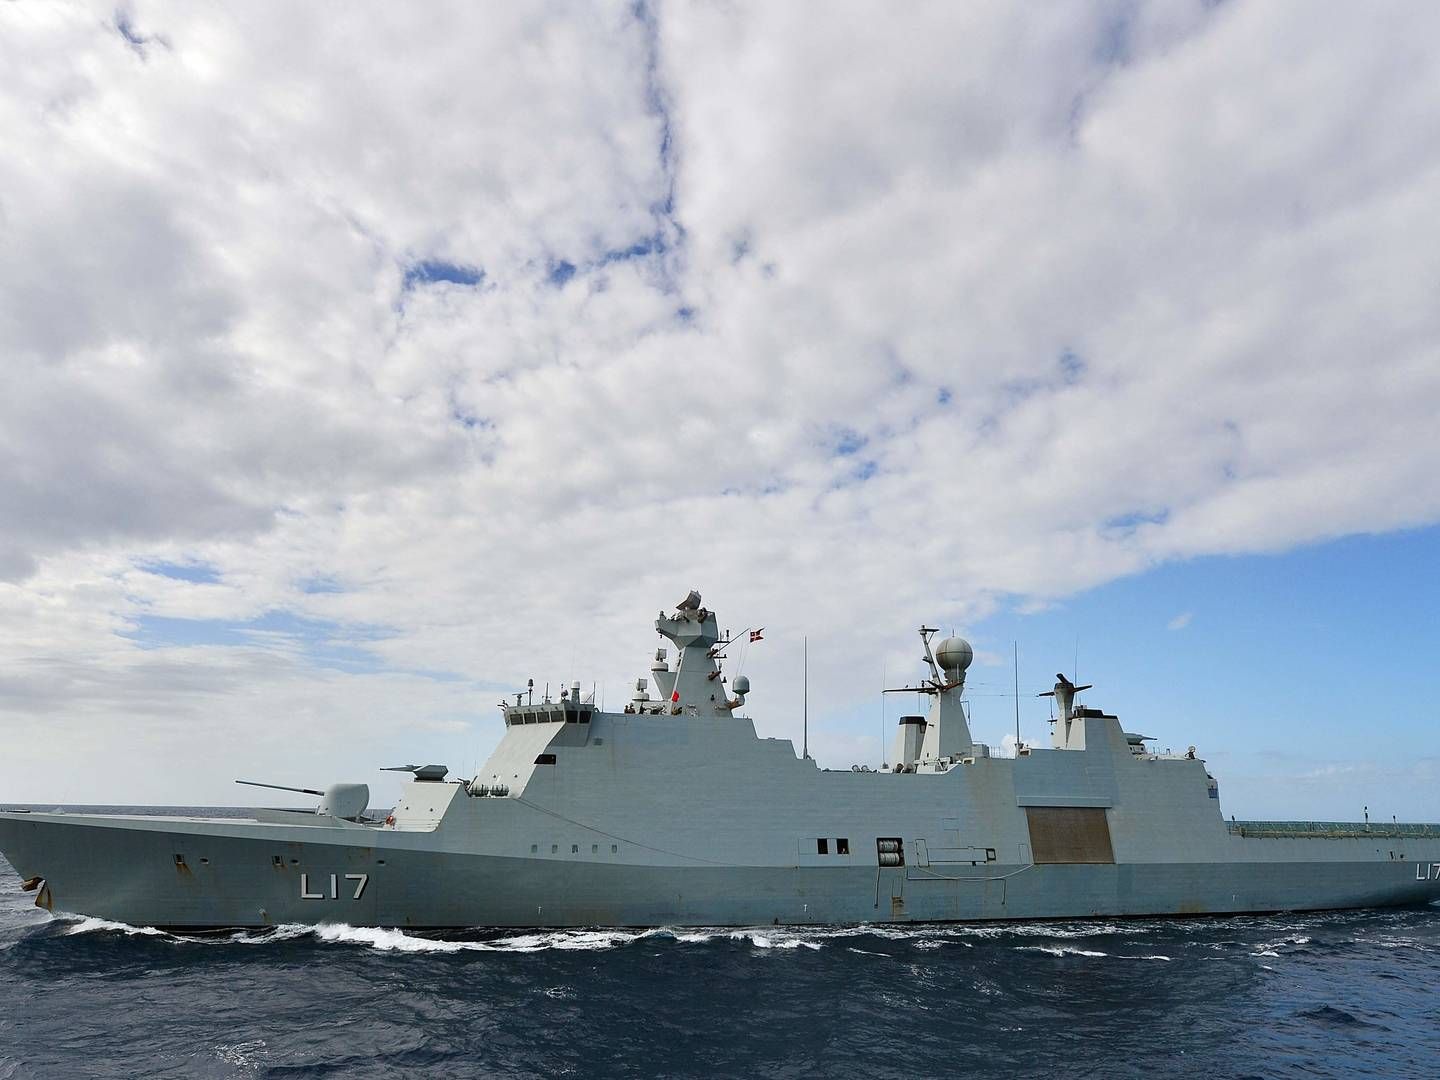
(317, 642)
(318, 585)
(651, 245)
(133, 37)
(849, 442)
(196, 573)
(435, 271)
(469, 421)
(1126, 523)
(560, 273)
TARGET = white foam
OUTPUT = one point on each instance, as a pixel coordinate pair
(385, 940)
(243, 1053)
(389, 940)
(1061, 950)
(92, 925)
(282, 932)
(563, 940)
(771, 940)
(1403, 943)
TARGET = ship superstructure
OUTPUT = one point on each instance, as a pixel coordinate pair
(673, 811)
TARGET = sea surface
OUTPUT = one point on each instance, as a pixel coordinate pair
(1327, 995)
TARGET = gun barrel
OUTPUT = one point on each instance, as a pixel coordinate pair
(281, 787)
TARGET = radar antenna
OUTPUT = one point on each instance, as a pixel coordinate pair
(1064, 694)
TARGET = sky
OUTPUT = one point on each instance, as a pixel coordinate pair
(362, 361)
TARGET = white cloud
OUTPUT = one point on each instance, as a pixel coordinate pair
(1181, 621)
(1078, 294)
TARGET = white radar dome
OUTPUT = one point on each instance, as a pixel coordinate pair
(954, 654)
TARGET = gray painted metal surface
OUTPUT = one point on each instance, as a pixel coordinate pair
(674, 812)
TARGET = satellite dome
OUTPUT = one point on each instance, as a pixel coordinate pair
(954, 654)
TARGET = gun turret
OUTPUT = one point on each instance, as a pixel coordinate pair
(347, 801)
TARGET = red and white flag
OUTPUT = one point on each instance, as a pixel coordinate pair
(675, 696)
(755, 635)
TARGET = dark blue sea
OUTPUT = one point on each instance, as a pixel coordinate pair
(1330, 995)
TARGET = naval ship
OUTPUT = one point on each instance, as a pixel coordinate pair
(674, 812)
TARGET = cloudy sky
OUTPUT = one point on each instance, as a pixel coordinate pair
(361, 361)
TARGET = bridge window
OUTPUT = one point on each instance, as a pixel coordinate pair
(842, 846)
(822, 846)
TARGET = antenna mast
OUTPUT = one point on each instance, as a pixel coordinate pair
(1017, 697)
(805, 700)
(884, 672)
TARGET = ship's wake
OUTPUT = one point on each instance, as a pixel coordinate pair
(1070, 941)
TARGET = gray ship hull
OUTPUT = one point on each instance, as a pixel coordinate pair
(678, 814)
(126, 870)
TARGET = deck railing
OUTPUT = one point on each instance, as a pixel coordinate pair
(1380, 829)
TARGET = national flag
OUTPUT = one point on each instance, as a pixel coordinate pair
(675, 696)
(755, 635)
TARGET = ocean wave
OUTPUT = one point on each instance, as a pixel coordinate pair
(90, 925)
(1333, 1016)
(1292, 944)
(1061, 950)
(1405, 943)
(1058, 939)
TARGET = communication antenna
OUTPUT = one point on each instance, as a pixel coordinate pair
(884, 672)
(805, 699)
(1017, 697)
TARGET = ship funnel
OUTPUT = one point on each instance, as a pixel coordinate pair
(909, 742)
